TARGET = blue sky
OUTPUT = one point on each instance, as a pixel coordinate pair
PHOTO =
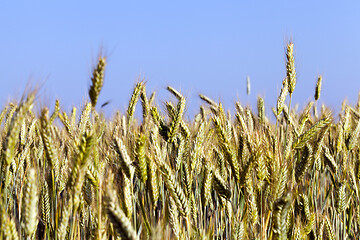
(197, 47)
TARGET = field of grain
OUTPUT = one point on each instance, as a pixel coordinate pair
(78, 175)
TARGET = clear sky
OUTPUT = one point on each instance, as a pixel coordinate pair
(197, 47)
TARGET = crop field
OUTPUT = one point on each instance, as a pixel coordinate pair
(79, 175)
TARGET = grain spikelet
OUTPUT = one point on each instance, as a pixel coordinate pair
(329, 160)
(175, 189)
(14, 128)
(141, 167)
(65, 120)
(318, 88)
(30, 204)
(220, 162)
(158, 120)
(208, 100)
(3, 113)
(84, 118)
(63, 225)
(239, 231)
(9, 116)
(199, 140)
(45, 203)
(318, 148)
(320, 231)
(253, 208)
(309, 134)
(206, 186)
(174, 218)
(174, 126)
(118, 218)
(261, 169)
(10, 230)
(133, 101)
(354, 137)
(221, 186)
(153, 181)
(127, 196)
(281, 183)
(79, 168)
(50, 152)
(92, 175)
(261, 110)
(144, 102)
(303, 163)
(281, 208)
(340, 197)
(290, 67)
(97, 81)
(329, 232)
(124, 158)
(56, 112)
(227, 148)
(180, 152)
(187, 178)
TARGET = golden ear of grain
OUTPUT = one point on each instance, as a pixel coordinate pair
(177, 119)
(144, 102)
(252, 202)
(56, 112)
(153, 181)
(281, 210)
(133, 100)
(15, 123)
(261, 110)
(30, 204)
(208, 100)
(10, 229)
(354, 138)
(118, 218)
(97, 81)
(51, 155)
(281, 99)
(329, 232)
(290, 67)
(84, 118)
(80, 165)
(124, 158)
(175, 189)
(227, 147)
(45, 204)
(221, 186)
(239, 231)
(304, 163)
(140, 161)
(207, 186)
(305, 137)
(340, 197)
(174, 218)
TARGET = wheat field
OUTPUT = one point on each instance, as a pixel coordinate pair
(78, 175)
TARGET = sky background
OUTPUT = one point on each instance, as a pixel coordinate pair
(197, 47)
